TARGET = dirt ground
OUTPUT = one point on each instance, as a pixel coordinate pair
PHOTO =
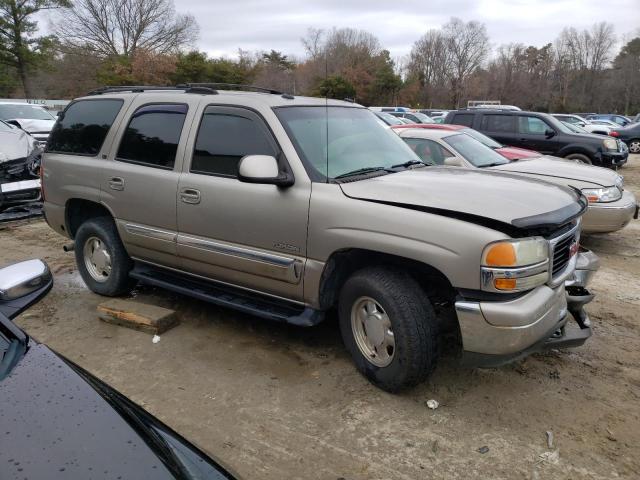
(278, 402)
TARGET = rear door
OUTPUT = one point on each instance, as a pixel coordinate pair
(248, 235)
(500, 127)
(532, 133)
(140, 179)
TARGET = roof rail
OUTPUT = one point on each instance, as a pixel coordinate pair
(234, 86)
(144, 88)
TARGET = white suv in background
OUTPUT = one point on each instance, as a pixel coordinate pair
(33, 119)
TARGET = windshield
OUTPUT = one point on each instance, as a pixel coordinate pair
(555, 123)
(389, 119)
(422, 117)
(482, 138)
(474, 151)
(33, 112)
(333, 141)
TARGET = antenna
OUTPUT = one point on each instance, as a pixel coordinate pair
(326, 107)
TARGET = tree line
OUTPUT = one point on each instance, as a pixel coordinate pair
(137, 42)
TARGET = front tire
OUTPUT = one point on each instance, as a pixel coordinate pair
(101, 258)
(579, 157)
(389, 327)
(634, 146)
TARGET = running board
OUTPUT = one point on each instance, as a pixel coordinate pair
(226, 296)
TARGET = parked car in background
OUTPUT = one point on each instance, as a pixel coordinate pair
(607, 123)
(510, 153)
(34, 119)
(438, 118)
(618, 119)
(311, 206)
(434, 112)
(20, 156)
(389, 119)
(586, 125)
(60, 422)
(610, 206)
(543, 133)
(636, 119)
(629, 135)
(414, 117)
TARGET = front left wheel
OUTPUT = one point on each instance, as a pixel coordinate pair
(389, 327)
(101, 258)
(634, 146)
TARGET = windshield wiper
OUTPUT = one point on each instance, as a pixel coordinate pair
(494, 164)
(408, 164)
(363, 171)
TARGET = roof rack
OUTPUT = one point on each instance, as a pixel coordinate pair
(234, 86)
(202, 88)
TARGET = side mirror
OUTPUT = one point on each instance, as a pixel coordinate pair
(549, 133)
(581, 124)
(453, 162)
(23, 284)
(263, 169)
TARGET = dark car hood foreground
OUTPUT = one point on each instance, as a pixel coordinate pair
(502, 198)
(59, 422)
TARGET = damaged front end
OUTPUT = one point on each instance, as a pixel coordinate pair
(20, 180)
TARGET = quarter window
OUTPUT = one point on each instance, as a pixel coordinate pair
(498, 123)
(532, 126)
(465, 119)
(152, 136)
(82, 128)
(224, 138)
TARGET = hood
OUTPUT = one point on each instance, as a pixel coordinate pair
(15, 144)
(558, 168)
(474, 195)
(59, 422)
(515, 153)
(34, 126)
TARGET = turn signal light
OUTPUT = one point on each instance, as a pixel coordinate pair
(501, 255)
(505, 283)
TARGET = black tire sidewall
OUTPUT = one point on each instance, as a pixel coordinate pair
(581, 157)
(413, 323)
(119, 281)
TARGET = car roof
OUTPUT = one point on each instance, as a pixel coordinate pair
(425, 133)
(3, 102)
(232, 96)
(433, 126)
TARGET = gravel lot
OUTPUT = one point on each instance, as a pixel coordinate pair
(274, 401)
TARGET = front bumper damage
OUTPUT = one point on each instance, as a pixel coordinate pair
(497, 333)
(19, 182)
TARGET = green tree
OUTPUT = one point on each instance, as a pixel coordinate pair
(192, 67)
(19, 47)
(336, 87)
(278, 60)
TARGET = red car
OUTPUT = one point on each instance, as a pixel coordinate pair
(510, 153)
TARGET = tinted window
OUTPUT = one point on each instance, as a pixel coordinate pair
(499, 123)
(430, 152)
(83, 127)
(532, 126)
(152, 136)
(465, 119)
(223, 139)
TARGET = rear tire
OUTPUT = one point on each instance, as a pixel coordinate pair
(389, 327)
(634, 145)
(579, 157)
(101, 258)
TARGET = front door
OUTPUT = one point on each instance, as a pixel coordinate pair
(248, 235)
(532, 132)
(140, 179)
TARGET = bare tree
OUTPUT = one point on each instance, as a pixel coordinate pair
(122, 27)
(428, 63)
(468, 47)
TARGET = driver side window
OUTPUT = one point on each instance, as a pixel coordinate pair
(430, 152)
(532, 126)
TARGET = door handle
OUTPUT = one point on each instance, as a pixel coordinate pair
(190, 195)
(116, 183)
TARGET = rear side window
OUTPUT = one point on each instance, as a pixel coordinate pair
(84, 126)
(499, 123)
(152, 136)
(224, 138)
(532, 126)
(465, 119)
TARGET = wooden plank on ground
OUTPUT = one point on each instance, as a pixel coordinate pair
(138, 316)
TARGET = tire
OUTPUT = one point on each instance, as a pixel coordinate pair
(411, 318)
(579, 157)
(634, 145)
(105, 275)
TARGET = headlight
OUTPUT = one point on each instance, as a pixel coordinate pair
(610, 144)
(515, 265)
(602, 195)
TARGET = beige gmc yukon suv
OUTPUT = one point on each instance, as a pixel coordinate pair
(289, 207)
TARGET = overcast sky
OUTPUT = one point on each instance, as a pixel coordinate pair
(252, 25)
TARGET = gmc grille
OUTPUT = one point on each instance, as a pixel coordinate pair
(562, 254)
